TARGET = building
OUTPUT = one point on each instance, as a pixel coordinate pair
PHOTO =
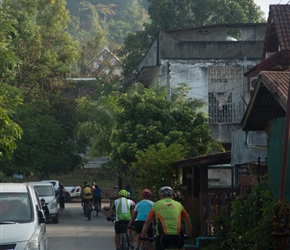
(269, 105)
(105, 63)
(213, 65)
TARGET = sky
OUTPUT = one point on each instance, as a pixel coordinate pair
(264, 4)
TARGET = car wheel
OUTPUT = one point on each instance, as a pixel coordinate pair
(67, 198)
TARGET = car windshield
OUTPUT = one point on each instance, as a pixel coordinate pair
(44, 190)
(15, 207)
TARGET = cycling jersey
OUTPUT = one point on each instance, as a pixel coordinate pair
(87, 193)
(97, 192)
(169, 214)
(142, 208)
(122, 207)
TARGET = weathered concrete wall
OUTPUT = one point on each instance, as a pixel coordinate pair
(208, 50)
(219, 177)
(247, 147)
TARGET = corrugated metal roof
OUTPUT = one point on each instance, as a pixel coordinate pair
(213, 159)
(269, 100)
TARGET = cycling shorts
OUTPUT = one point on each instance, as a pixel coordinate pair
(165, 241)
(121, 226)
(139, 225)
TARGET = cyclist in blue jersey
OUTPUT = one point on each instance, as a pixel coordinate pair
(139, 217)
(97, 195)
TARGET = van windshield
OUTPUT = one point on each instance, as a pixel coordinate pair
(45, 190)
(15, 207)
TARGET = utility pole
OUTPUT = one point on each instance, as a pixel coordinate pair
(168, 81)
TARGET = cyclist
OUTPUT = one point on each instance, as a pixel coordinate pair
(87, 196)
(97, 195)
(122, 207)
(169, 214)
(139, 216)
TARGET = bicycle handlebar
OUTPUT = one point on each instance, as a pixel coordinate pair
(111, 219)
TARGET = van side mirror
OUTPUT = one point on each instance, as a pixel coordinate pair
(41, 217)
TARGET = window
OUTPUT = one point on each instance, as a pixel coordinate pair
(220, 107)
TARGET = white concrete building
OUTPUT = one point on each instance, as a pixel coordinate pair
(213, 64)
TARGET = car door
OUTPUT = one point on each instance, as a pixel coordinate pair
(43, 241)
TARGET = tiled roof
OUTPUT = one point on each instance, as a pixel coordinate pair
(279, 15)
(278, 27)
(269, 100)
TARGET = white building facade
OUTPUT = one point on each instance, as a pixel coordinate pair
(212, 64)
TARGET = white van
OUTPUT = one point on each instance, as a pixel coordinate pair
(22, 222)
(46, 191)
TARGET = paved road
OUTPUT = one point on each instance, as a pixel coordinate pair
(75, 232)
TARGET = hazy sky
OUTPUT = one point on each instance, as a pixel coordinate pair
(264, 4)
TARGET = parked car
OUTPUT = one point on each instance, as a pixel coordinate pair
(22, 221)
(46, 191)
(70, 191)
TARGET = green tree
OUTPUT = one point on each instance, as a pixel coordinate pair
(147, 118)
(10, 131)
(46, 146)
(97, 122)
(124, 125)
(41, 52)
(85, 27)
(157, 161)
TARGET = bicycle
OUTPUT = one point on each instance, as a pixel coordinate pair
(143, 243)
(98, 207)
(124, 237)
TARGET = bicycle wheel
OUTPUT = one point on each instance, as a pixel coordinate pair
(142, 247)
(88, 211)
(123, 242)
(97, 207)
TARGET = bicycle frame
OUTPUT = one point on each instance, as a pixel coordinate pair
(124, 241)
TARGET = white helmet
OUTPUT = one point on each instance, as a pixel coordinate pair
(166, 191)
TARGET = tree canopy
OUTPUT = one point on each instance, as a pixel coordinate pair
(134, 125)
(38, 52)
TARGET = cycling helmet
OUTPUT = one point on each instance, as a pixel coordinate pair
(128, 194)
(123, 192)
(166, 191)
(146, 194)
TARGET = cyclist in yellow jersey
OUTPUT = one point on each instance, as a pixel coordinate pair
(87, 193)
(123, 210)
(87, 196)
(169, 214)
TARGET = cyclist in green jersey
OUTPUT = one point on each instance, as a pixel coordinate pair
(169, 214)
(123, 209)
